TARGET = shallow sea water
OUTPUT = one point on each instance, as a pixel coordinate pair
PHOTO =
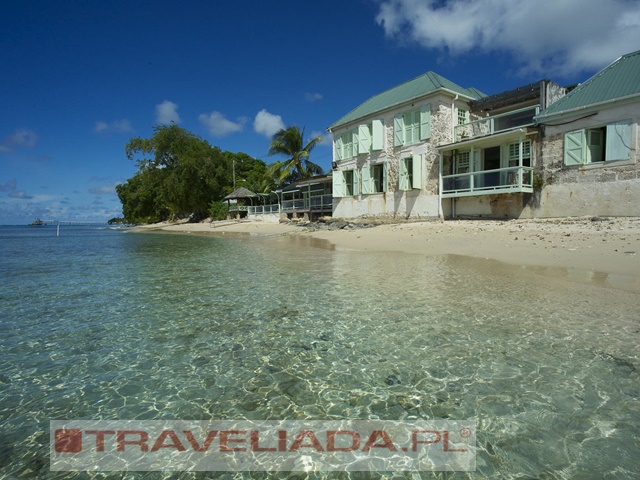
(101, 324)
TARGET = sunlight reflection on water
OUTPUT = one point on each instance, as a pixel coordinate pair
(193, 327)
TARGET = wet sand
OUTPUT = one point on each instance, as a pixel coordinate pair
(580, 245)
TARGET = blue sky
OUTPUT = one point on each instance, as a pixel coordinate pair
(80, 78)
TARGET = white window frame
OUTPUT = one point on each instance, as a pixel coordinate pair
(513, 154)
(463, 116)
(462, 162)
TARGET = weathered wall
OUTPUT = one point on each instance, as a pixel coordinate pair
(552, 93)
(505, 205)
(602, 188)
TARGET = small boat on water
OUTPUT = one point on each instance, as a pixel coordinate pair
(37, 223)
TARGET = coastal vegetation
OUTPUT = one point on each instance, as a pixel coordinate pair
(297, 166)
(180, 174)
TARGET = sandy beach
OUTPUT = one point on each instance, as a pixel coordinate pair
(605, 246)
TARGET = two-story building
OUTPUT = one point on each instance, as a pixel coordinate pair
(429, 148)
(490, 168)
(385, 150)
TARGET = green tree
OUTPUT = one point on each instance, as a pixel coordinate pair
(249, 172)
(182, 170)
(140, 198)
(290, 142)
(180, 174)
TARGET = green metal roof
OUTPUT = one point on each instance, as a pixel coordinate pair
(618, 80)
(417, 87)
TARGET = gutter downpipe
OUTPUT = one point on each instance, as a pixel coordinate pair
(440, 185)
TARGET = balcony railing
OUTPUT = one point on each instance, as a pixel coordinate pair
(486, 182)
(497, 123)
(263, 209)
(317, 202)
(234, 207)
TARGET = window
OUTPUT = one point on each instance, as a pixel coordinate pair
(411, 127)
(410, 173)
(345, 183)
(462, 162)
(411, 121)
(370, 137)
(462, 116)
(374, 178)
(379, 178)
(346, 145)
(363, 139)
(595, 144)
(513, 158)
(603, 144)
(348, 183)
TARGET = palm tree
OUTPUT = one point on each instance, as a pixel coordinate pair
(290, 142)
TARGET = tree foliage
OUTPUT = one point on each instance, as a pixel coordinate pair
(290, 142)
(180, 174)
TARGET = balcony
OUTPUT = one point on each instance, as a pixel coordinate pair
(313, 204)
(263, 209)
(498, 123)
(486, 182)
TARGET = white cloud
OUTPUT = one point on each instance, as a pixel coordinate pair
(267, 123)
(9, 186)
(167, 112)
(219, 126)
(108, 186)
(22, 137)
(313, 97)
(103, 190)
(119, 126)
(20, 195)
(561, 37)
(327, 138)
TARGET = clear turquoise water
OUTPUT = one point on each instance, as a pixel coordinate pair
(101, 324)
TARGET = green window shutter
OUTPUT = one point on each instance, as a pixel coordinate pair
(377, 135)
(366, 180)
(356, 182)
(364, 139)
(618, 141)
(425, 122)
(354, 141)
(403, 180)
(398, 130)
(384, 177)
(338, 184)
(338, 147)
(574, 147)
(417, 171)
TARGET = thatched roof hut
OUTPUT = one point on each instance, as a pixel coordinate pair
(240, 193)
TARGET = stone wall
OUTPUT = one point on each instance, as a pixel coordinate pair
(602, 188)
